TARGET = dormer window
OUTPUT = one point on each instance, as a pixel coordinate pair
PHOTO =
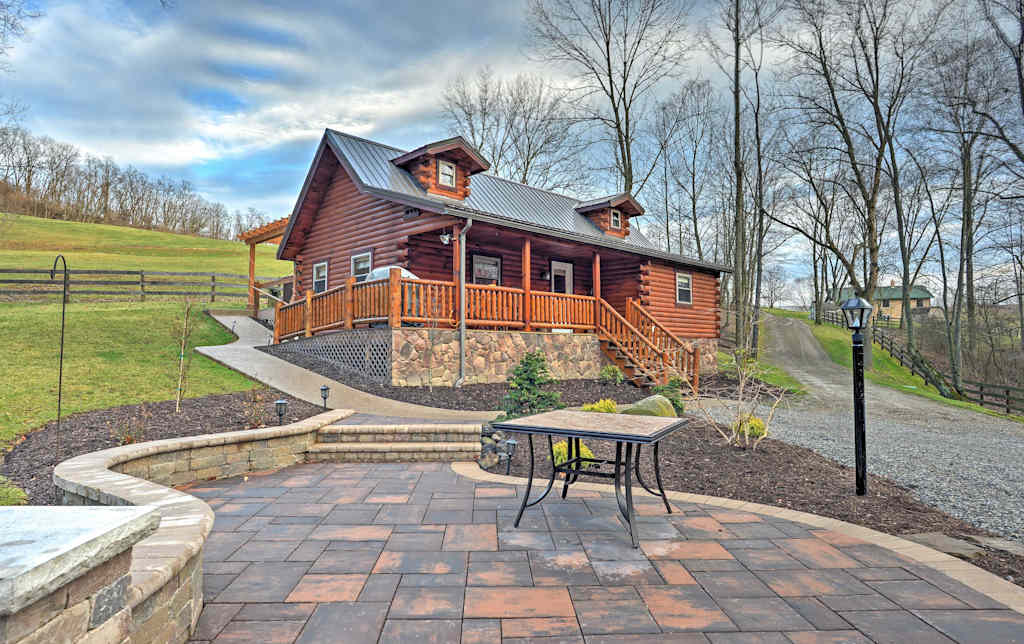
(445, 173)
(615, 221)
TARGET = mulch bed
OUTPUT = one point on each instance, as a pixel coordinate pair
(694, 459)
(488, 397)
(29, 465)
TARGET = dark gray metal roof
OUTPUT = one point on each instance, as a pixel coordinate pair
(498, 200)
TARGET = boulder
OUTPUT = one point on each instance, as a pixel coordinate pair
(656, 405)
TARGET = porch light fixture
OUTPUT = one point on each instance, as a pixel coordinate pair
(446, 238)
(857, 312)
(280, 406)
(325, 391)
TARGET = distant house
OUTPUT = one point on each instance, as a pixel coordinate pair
(534, 260)
(889, 299)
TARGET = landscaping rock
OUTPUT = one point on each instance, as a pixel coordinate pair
(655, 405)
(947, 544)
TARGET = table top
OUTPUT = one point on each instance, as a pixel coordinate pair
(595, 425)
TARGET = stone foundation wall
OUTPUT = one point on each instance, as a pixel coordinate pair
(431, 356)
(164, 598)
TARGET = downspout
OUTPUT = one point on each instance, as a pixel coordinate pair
(462, 302)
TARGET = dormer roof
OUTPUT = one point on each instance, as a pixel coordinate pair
(456, 146)
(623, 202)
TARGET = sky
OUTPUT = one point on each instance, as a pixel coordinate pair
(234, 96)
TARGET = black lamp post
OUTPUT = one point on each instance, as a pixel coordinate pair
(857, 312)
(325, 391)
(280, 406)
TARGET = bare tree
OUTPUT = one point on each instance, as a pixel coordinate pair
(693, 156)
(1005, 18)
(619, 52)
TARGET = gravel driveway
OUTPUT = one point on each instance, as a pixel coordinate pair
(968, 464)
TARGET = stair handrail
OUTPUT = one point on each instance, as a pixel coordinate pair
(680, 346)
(609, 309)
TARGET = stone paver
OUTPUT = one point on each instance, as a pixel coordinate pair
(363, 553)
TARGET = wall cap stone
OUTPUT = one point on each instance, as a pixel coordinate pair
(43, 548)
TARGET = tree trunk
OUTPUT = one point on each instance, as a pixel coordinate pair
(739, 224)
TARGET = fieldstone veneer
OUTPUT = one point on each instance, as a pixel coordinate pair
(431, 356)
(163, 596)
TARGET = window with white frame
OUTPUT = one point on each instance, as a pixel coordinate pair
(361, 265)
(616, 220)
(445, 173)
(486, 270)
(319, 277)
(684, 288)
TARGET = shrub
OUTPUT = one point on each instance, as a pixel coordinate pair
(605, 406)
(750, 427)
(526, 394)
(561, 449)
(674, 392)
(612, 375)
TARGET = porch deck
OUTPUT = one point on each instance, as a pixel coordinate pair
(633, 339)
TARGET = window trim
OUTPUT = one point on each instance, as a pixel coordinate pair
(352, 264)
(689, 277)
(551, 274)
(314, 280)
(455, 174)
(615, 219)
(472, 266)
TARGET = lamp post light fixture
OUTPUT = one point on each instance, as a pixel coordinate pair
(857, 312)
(280, 406)
(325, 391)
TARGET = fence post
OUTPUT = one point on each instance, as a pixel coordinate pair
(308, 314)
(395, 298)
(142, 286)
(981, 393)
(1007, 401)
(349, 304)
(213, 287)
(277, 322)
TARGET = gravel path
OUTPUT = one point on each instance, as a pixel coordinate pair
(968, 464)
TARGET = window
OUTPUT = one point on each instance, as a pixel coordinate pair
(361, 265)
(885, 304)
(319, 277)
(445, 173)
(616, 220)
(684, 288)
(486, 270)
(920, 303)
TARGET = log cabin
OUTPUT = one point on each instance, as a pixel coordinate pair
(427, 241)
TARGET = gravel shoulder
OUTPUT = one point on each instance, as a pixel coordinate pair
(963, 462)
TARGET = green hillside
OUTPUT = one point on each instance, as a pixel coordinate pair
(116, 353)
(30, 242)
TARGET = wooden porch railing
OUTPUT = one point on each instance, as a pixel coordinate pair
(680, 357)
(563, 311)
(428, 302)
(289, 320)
(494, 306)
(370, 301)
(647, 357)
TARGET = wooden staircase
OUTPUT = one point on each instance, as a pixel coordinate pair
(646, 352)
(341, 443)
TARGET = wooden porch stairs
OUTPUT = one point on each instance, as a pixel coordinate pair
(646, 352)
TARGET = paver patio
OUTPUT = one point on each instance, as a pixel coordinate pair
(416, 553)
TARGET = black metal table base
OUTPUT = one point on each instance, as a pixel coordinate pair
(577, 465)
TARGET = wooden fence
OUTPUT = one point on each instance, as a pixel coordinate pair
(21, 283)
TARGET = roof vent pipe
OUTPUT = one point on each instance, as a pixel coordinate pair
(462, 302)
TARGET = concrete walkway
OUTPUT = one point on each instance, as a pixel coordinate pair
(387, 554)
(242, 356)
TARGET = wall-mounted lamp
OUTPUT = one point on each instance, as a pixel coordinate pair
(545, 275)
(446, 238)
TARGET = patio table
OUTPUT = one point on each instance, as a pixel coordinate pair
(630, 434)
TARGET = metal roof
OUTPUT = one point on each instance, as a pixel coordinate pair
(497, 200)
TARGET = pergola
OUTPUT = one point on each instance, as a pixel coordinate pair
(270, 233)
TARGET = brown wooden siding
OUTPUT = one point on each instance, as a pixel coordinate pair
(697, 320)
(348, 222)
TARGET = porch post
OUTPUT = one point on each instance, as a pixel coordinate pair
(253, 302)
(309, 314)
(527, 311)
(596, 275)
(349, 302)
(395, 297)
(456, 258)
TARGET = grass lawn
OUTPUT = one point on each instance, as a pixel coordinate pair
(885, 371)
(30, 242)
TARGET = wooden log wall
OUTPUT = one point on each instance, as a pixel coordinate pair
(658, 295)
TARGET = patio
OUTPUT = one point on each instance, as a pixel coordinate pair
(416, 553)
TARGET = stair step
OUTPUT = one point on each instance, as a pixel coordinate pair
(378, 452)
(420, 433)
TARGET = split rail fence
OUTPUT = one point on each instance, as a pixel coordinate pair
(19, 283)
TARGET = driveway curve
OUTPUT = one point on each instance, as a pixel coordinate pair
(966, 463)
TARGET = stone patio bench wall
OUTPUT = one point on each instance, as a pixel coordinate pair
(165, 594)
